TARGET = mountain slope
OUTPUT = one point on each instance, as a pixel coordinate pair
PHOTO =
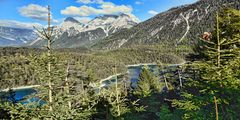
(71, 33)
(15, 36)
(178, 25)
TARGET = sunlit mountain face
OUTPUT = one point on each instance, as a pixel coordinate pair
(71, 33)
(179, 25)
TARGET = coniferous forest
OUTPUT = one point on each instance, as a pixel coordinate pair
(188, 82)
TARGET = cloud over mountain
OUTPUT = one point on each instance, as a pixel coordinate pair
(17, 24)
(90, 1)
(34, 11)
(83, 20)
(152, 12)
(105, 8)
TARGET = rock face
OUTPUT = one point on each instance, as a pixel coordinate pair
(16, 36)
(179, 25)
(71, 33)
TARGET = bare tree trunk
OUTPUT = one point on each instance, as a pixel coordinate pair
(117, 96)
(218, 44)
(218, 63)
(49, 63)
(107, 113)
(216, 107)
(165, 80)
(180, 79)
(82, 85)
(67, 86)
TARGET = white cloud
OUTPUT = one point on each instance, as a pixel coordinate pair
(90, 1)
(18, 24)
(138, 3)
(152, 12)
(83, 20)
(84, 1)
(105, 8)
(34, 11)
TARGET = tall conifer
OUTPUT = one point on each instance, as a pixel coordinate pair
(214, 90)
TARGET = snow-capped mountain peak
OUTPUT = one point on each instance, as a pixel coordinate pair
(108, 23)
(111, 23)
(70, 22)
(72, 33)
(71, 19)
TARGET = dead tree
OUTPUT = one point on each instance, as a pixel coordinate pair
(46, 34)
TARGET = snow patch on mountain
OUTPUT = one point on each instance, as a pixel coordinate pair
(122, 42)
(71, 30)
(68, 24)
(186, 18)
(108, 23)
(154, 32)
(16, 36)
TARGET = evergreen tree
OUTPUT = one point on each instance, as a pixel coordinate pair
(146, 83)
(165, 113)
(213, 91)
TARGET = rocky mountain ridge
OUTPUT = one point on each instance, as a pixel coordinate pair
(15, 36)
(71, 33)
(179, 25)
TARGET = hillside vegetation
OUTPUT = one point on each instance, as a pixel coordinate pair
(13, 60)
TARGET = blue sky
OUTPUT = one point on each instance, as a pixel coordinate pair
(26, 13)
